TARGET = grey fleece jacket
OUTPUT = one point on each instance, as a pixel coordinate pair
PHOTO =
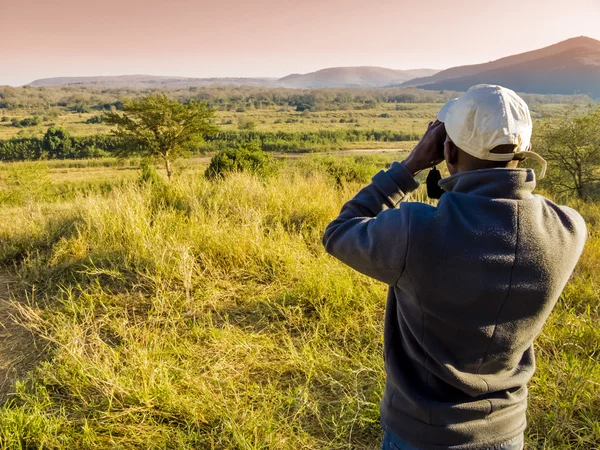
(472, 282)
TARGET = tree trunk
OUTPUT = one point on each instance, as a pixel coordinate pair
(168, 167)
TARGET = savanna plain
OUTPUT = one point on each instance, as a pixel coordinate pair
(202, 312)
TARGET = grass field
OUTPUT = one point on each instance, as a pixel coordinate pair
(404, 117)
(206, 314)
(409, 117)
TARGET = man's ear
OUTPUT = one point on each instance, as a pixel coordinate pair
(450, 152)
(451, 156)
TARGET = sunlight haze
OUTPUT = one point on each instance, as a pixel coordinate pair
(273, 38)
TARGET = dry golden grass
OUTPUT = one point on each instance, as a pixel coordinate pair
(207, 315)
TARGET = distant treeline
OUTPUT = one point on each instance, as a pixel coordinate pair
(85, 99)
(58, 144)
(81, 147)
(284, 141)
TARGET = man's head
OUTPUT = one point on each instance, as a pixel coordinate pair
(488, 126)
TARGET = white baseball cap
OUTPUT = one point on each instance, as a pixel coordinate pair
(487, 116)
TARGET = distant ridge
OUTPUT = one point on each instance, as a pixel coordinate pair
(568, 67)
(148, 81)
(332, 77)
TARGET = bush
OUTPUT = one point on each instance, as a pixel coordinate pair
(95, 119)
(27, 122)
(57, 142)
(81, 108)
(149, 174)
(248, 158)
(245, 123)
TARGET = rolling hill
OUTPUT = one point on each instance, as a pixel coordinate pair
(569, 67)
(352, 77)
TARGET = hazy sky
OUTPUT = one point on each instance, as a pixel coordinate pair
(206, 38)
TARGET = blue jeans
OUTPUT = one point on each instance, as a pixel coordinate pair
(393, 442)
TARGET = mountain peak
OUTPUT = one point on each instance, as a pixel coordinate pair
(572, 43)
(581, 40)
(567, 67)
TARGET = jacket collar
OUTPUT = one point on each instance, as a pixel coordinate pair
(495, 183)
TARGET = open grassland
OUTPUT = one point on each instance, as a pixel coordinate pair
(398, 117)
(206, 314)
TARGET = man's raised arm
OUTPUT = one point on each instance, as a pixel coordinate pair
(370, 235)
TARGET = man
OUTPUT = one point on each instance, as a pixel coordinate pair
(472, 280)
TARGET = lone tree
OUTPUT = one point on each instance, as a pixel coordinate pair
(57, 142)
(155, 126)
(571, 144)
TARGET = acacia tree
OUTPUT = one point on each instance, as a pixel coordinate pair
(571, 145)
(155, 126)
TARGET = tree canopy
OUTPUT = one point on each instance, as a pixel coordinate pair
(155, 126)
(57, 143)
(571, 144)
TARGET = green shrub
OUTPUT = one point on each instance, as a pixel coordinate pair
(57, 142)
(81, 108)
(27, 122)
(248, 158)
(245, 123)
(95, 119)
(149, 174)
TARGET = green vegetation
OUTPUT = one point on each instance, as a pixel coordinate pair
(249, 158)
(58, 143)
(303, 141)
(80, 99)
(26, 122)
(155, 126)
(26, 184)
(85, 99)
(24, 149)
(359, 118)
(571, 144)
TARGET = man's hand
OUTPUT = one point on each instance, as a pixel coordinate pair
(429, 151)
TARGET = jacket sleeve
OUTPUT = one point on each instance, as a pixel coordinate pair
(371, 234)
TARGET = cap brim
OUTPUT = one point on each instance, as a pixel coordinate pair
(443, 114)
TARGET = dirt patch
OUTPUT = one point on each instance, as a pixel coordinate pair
(18, 350)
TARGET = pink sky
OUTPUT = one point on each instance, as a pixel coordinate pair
(206, 38)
